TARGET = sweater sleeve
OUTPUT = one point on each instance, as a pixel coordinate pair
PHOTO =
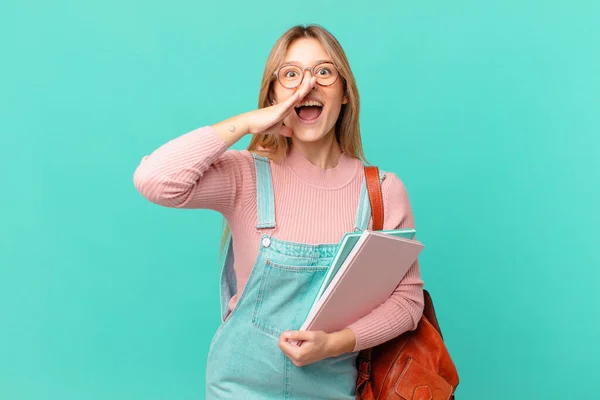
(195, 170)
(403, 310)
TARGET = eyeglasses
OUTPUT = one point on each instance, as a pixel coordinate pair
(291, 75)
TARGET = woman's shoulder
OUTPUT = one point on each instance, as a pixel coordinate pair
(394, 190)
(398, 211)
(392, 186)
(391, 180)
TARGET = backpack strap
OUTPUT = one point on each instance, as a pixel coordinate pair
(375, 196)
(376, 200)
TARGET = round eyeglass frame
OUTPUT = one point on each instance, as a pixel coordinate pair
(302, 69)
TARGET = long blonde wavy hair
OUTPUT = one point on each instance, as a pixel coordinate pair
(347, 127)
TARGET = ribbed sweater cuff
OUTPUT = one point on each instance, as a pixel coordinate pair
(372, 331)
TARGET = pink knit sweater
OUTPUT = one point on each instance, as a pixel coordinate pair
(313, 205)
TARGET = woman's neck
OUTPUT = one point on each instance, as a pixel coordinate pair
(324, 153)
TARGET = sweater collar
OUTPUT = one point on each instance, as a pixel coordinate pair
(331, 178)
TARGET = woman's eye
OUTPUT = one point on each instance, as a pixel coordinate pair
(290, 74)
(323, 71)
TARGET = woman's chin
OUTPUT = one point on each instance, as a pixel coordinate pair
(307, 135)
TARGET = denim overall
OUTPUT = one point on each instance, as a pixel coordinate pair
(244, 360)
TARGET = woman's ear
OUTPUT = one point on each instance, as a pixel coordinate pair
(345, 98)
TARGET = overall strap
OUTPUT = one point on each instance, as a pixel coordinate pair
(265, 199)
(265, 205)
(228, 286)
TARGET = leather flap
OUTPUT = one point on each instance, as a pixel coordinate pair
(419, 383)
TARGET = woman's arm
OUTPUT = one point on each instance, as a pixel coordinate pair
(403, 310)
(195, 170)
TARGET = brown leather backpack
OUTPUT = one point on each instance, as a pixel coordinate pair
(415, 365)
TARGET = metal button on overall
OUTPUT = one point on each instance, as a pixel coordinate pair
(266, 242)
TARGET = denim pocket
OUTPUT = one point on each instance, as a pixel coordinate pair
(285, 296)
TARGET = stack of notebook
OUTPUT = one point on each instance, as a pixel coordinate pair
(367, 268)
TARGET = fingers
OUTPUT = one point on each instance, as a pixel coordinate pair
(292, 350)
(296, 354)
(310, 348)
(306, 87)
(301, 92)
(286, 107)
(299, 335)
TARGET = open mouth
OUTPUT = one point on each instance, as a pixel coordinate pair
(309, 111)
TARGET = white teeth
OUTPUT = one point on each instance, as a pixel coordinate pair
(309, 103)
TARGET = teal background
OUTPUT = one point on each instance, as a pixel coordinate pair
(488, 111)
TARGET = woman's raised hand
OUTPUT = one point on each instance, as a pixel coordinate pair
(269, 120)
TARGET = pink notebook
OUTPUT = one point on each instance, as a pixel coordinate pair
(367, 278)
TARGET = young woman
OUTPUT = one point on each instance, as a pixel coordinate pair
(288, 200)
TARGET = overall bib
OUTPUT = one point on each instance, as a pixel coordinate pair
(244, 361)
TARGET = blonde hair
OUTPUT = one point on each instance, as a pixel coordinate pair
(347, 127)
